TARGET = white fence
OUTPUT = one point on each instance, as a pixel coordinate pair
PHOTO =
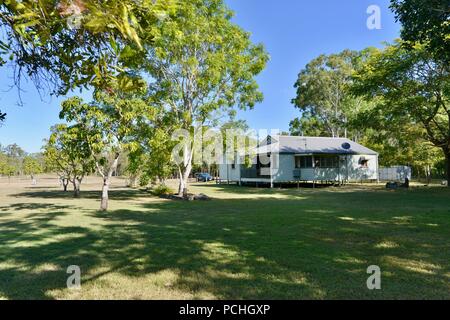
(396, 173)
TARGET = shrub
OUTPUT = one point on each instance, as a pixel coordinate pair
(162, 190)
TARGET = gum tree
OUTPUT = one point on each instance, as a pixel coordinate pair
(201, 62)
(323, 95)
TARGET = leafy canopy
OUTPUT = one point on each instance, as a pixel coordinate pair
(201, 62)
(63, 45)
(323, 95)
(67, 153)
(411, 89)
(426, 22)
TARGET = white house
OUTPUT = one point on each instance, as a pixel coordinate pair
(286, 159)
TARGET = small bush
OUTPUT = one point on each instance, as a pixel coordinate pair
(162, 190)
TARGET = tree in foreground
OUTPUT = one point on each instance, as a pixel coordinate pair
(107, 125)
(411, 88)
(68, 44)
(201, 62)
(67, 154)
(425, 22)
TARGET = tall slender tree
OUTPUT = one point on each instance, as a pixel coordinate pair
(323, 95)
(202, 62)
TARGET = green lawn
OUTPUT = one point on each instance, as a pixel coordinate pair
(245, 244)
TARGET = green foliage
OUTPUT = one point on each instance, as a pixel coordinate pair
(201, 63)
(157, 149)
(411, 90)
(5, 168)
(107, 126)
(425, 22)
(323, 95)
(308, 125)
(69, 44)
(32, 166)
(162, 190)
(12, 160)
(67, 153)
(14, 151)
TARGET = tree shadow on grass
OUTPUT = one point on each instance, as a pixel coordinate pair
(303, 251)
(116, 194)
(269, 248)
(33, 206)
(33, 257)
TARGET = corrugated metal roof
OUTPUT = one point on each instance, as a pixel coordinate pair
(314, 145)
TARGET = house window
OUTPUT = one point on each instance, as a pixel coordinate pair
(326, 162)
(303, 162)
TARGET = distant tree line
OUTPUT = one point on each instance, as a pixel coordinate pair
(14, 161)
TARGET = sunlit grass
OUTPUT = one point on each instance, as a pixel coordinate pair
(245, 243)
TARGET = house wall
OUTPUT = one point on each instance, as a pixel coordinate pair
(358, 173)
(231, 174)
(283, 168)
(350, 170)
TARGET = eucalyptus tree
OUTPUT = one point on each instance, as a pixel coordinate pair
(67, 154)
(323, 95)
(202, 62)
(107, 124)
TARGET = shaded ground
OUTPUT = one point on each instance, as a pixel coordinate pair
(246, 243)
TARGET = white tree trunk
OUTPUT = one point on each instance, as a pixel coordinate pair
(105, 189)
(106, 183)
(185, 171)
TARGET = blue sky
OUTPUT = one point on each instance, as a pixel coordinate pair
(293, 31)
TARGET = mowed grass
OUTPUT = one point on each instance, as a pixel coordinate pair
(245, 244)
